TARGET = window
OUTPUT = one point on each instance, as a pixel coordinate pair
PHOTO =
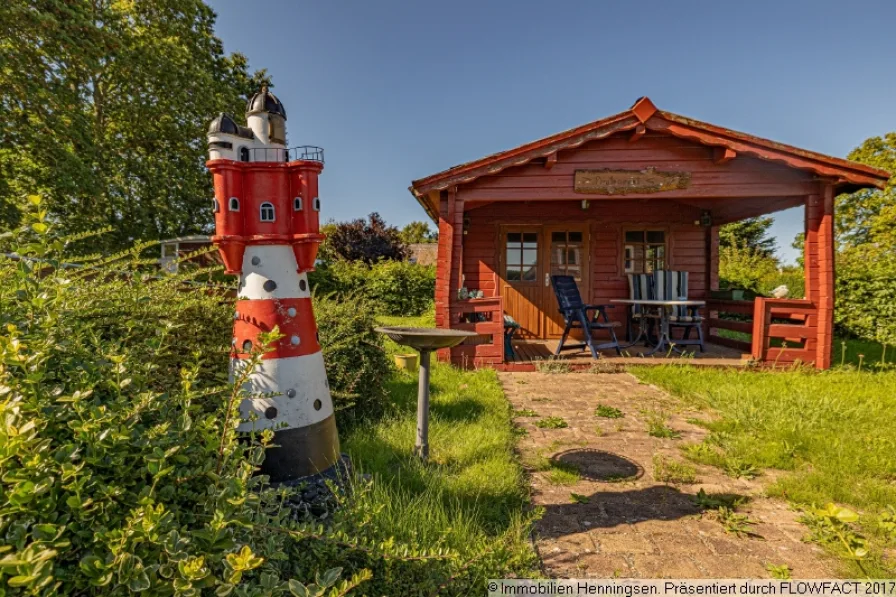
(567, 251)
(267, 212)
(217, 205)
(244, 154)
(522, 257)
(316, 204)
(297, 204)
(234, 204)
(645, 251)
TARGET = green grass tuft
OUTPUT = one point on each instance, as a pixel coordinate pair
(666, 470)
(552, 423)
(608, 412)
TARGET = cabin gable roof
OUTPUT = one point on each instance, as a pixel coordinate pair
(645, 116)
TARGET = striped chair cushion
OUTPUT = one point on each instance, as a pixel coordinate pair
(670, 286)
(640, 286)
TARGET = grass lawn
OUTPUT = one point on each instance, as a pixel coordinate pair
(832, 432)
(471, 496)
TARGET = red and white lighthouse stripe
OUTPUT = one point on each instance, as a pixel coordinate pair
(297, 403)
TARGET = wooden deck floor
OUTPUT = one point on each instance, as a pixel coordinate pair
(528, 352)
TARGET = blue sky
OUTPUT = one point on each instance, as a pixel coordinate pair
(399, 90)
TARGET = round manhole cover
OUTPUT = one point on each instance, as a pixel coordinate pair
(598, 465)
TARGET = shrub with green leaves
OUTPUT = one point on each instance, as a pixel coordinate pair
(120, 469)
(389, 287)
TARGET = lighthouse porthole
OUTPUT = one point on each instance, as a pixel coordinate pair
(303, 285)
(316, 204)
(290, 393)
(234, 204)
(291, 311)
(294, 340)
(256, 260)
(270, 286)
(297, 204)
(267, 212)
(247, 346)
(270, 412)
(317, 404)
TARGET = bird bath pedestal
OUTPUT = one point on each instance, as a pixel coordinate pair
(424, 340)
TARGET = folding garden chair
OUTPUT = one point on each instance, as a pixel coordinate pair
(673, 285)
(575, 314)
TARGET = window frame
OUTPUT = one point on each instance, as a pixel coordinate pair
(297, 204)
(217, 205)
(247, 154)
(231, 202)
(503, 247)
(261, 210)
(625, 245)
(316, 204)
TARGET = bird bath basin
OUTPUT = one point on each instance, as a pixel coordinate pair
(424, 340)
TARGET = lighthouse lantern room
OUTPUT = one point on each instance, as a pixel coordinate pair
(267, 230)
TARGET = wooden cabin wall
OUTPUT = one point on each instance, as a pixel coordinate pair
(686, 242)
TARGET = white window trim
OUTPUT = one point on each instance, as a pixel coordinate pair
(297, 204)
(230, 204)
(261, 212)
(217, 205)
(317, 204)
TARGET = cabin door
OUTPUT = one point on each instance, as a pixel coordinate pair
(565, 253)
(529, 255)
(520, 277)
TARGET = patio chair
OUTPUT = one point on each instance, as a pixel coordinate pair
(575, 314)
(640, 286)
(673, 285)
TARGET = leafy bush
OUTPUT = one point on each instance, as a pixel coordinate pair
(120, 469)
(357, 364)
(866, 296)
(754, 271)
(389, 287)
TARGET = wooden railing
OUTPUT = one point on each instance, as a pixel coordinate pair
(785, 331)
(773, 331)
(720, 313)
(484, 316)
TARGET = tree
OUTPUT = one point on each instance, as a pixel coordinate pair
(751, 234)
(362, 240)
(105, 105)
(418, 232)
(869, 216)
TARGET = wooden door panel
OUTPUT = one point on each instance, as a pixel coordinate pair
(524, 305)
(520, 270)
(565, 251)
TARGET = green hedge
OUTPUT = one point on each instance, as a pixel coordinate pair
(390, 287)
(866, 296)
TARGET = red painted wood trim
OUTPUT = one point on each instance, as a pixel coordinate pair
(723, 155)
(637, 133)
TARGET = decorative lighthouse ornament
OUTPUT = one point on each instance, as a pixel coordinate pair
(267, 231)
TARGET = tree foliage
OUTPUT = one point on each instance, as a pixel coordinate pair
(418, 232)
(104, 106)
(866, 233)
(869, 216)
(751, 234)
(363, 240)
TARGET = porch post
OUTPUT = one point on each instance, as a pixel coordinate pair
(825, 280)
(819, 270)
(443, 263)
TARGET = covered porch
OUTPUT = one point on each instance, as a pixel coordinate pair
(643, 190)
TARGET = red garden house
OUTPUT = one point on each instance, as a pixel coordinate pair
(640, 191)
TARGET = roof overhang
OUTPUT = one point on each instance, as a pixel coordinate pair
(846, 175)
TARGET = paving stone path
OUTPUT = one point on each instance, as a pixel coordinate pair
(622, 521)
